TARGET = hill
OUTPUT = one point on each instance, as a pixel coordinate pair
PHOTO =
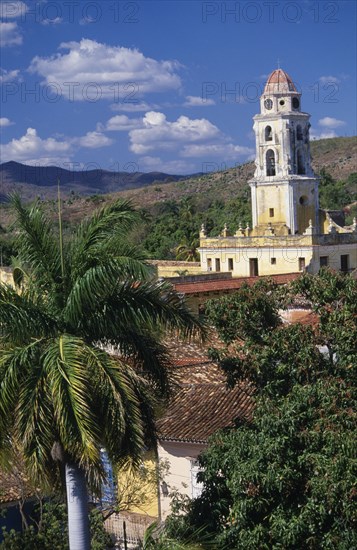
(175, 210)
(338, 156)
(41, 181)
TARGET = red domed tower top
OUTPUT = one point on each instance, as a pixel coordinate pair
(279, 82)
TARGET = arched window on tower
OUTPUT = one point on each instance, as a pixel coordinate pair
(300, 163)
(299, 134)
(268, 133)
(270, 162)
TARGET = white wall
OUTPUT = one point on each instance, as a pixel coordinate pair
(180, 458)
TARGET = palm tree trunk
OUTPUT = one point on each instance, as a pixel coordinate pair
(77, 506)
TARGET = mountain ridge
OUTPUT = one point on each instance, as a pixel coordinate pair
(32, 181)
(338, 156)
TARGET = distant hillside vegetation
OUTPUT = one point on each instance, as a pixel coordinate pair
(338, 156)
(41, 181)
(175, 210)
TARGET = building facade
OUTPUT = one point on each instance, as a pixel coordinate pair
(290, 233)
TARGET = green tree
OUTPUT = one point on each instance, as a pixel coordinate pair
(188, 251)
(49, 530)
(287, 479)
(334, 194)
(62, 395)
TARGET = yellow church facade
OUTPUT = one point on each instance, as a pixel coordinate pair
(290, 233)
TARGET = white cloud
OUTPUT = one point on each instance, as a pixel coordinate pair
(32, 149)
(226, 151)
(159, 133)
(330, 122)
(93, 140)
(87, 20)
(8, 76)
(10, 9)
(329, 80)
(121, 123)
(5, 122)
(118, 73)
(187, 138)
(156, 164)
(55, 21)
(9, 34)
(197, 101)
(322, 135)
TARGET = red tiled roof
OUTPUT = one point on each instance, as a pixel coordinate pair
(14, 485)
(201, 403)
(229, 284)
(200, 408)
(279, 81)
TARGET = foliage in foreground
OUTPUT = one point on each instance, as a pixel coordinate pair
(82, 362)
(58, 384)
(50, 531)
(288, 478)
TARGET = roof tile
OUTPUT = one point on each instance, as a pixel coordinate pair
(229, 284)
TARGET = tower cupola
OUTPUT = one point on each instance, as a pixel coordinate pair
(284, 187)
(280, 94)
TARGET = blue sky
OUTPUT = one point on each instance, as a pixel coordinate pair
(165, 85)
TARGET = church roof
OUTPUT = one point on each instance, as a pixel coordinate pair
(279, 81)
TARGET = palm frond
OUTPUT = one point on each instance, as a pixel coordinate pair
(25, 407)
(36, 244)
(114, 219)
(149, 355)
(101, 308)
(21, 318)
(65, 364)
(156, 304)
(119, 406)
(92, 289)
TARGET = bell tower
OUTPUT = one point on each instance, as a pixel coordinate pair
(284, 188)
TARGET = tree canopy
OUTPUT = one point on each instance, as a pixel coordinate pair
(286, 479)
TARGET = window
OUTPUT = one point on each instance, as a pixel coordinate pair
(281, 102)
(296, 103)
(218, 264)
(301, 264)
(270, 162)
(196, 486)
(323, 261)
(201, 309)
(209, 264)
(344, 262)
(303, 200)
(268, 134)
(253, 267)
(300, 163)
(230, 264)
(273, 261)
(271, 212)
(299, 135)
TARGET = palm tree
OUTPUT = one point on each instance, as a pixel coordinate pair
(188, 250)
(62, 395)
